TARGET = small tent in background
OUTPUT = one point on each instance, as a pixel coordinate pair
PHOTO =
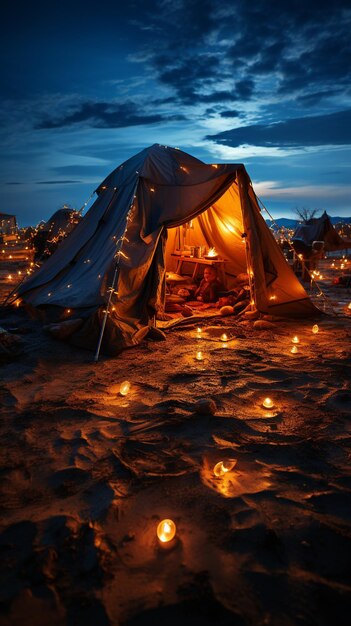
(129, 231)
(318, 229)
(49, 234)
(8, 224)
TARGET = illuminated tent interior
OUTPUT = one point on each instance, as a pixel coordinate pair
(117, 256)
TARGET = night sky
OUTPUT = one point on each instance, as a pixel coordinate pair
(85, 85)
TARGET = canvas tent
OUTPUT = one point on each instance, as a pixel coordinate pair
(50, 233)
(319, 229)
(62, 222)
(131, 227)
(8, 224)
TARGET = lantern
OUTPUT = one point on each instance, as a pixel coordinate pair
(295, 339)
(199, 331)
(199, 356)
(268, 403)
(315, 329)
(224, 337)
(166, 530)
(124, 388)
(294, 350)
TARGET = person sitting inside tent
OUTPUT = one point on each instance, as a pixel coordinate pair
(210, 286)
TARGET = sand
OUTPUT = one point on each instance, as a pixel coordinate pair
(87, 475)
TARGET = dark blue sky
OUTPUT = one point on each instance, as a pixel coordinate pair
(85, 85)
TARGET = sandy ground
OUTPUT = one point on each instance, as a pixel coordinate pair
(87, 474)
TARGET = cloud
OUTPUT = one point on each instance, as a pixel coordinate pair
(333, 129)
(230, 113)
(273, 189)
(57, 182)
(106, 115)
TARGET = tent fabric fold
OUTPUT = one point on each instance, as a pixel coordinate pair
(133, 225)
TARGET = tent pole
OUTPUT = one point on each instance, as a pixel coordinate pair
(249, 271)
(96, 357)
(247, 252)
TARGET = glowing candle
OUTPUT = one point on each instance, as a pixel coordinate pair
(124, 388)
(199, 331)
(268, 403)
(166, 530)
(222, 467)
(295, 339)
(315, 329)
(199, 356)
(212, 253)
(294, 350)
(224, 337)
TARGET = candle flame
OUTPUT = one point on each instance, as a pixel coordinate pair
(295, 339)
(212, 252)
(268, 403)
(124, 388)
(294, 350)
(222, 467)
(166, 530)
